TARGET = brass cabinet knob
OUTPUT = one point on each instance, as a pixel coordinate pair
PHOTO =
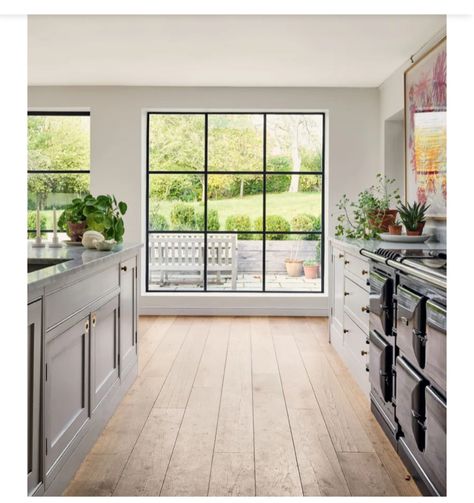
(364, 272)
(346, 294)
(341, 255)
(86, 326)
(346, 331)
(124, 268)
(365, 309)
(363, 353)
(94, 319)
(346, 262)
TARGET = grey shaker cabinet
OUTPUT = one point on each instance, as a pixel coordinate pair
(104, 349)
(82, 358)
(66, 387)
(128, 314)
(34, 347)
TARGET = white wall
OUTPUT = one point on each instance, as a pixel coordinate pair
(118, 147)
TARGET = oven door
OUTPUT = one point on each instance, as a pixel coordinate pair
(435, 365)
(411, 325)
(410, 405)
(435, 448)
(380, 367)
(381, 303)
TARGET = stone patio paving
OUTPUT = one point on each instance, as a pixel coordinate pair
(274, 282)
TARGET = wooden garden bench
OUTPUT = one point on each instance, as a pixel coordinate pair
(183, 255)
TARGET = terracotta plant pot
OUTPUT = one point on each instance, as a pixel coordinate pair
(395, 229)
(381, 219)
(76, 230)
(311, 271)
(294, 267)
(418, 231)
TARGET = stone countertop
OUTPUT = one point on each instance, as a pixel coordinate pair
(355, 245)
(78, 259)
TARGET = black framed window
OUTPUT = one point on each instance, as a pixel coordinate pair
(58, 163)
(235, 202)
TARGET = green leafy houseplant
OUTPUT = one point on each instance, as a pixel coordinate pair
(371, 213)
(413, 217)
(102, 214)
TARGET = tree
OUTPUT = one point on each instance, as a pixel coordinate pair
(295, 136)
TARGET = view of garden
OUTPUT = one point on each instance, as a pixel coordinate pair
(58, 151)
(232, 166)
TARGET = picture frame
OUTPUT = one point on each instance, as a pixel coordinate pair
(425, 86)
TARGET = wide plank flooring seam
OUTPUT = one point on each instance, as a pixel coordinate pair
(319, 405)
(218, 411)
(161, 342)
(150, 358)
(151, 408)
(287, 413)
(185, 407)
(253, 415)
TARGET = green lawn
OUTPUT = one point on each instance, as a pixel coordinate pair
(284, 204)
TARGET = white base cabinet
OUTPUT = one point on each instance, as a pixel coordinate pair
(349, 310)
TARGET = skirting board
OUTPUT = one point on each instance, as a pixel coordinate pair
(234, 305)
(227, 311)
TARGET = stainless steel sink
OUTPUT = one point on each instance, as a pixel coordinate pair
(35, 264)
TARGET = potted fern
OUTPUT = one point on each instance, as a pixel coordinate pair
(413, 217)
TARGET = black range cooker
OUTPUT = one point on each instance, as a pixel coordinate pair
(407, 364)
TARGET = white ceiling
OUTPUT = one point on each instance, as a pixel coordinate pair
(359, 51)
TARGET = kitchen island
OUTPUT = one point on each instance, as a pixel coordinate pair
(82, 353)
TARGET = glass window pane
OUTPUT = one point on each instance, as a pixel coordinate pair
(234, 262)
(292, 264)
(58, 142)
(53, 191)
(294, 142)
(235, 202)
(176, 262)
(235, 142)
(293, 203)
(176, 202)
(176, 142)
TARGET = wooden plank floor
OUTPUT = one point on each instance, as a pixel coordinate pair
(237, 406)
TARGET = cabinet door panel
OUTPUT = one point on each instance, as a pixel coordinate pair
(128, 313)
(104, 349)
(67, 388)
(34, 394)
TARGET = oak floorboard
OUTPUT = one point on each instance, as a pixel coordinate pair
(232, 474)
(276, 469)
(178, 384)
(319, 468)
(145, 470)
(346, 431)
(364, 481)
(190, 465)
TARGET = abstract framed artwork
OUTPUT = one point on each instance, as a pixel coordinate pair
(425, 131)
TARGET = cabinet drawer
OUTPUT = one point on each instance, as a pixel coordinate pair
(357, 269)
(63, 303)
(356, 303)
(356, 353)
(355, 339)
